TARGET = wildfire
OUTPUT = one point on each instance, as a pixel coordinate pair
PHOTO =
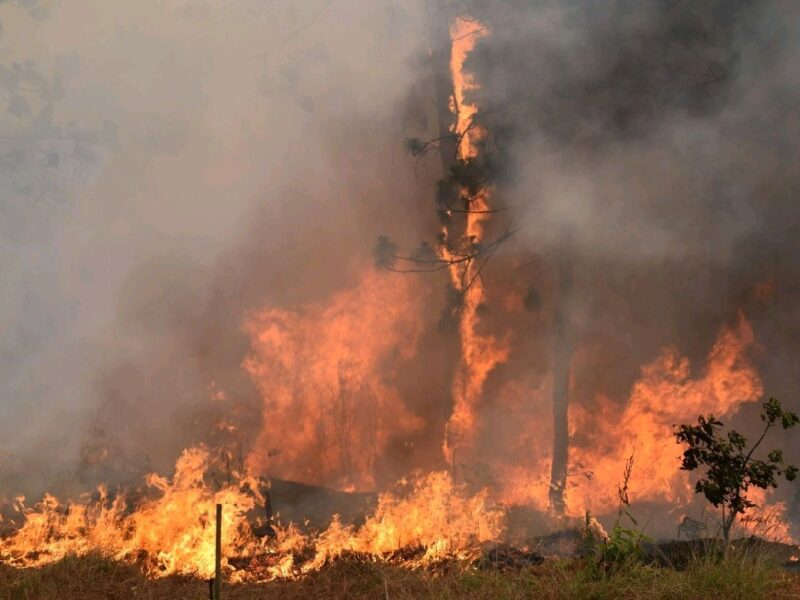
(766, 520)
(436, 516)
(174, 531)
(464, 34)
(171, 533)
(326, 372)
(481, 352)
(327, 412)
(665, 394)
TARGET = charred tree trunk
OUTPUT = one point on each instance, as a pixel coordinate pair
(441, 47)
(562, 358)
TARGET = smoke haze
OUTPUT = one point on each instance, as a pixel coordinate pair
(173, 165)
(171, 168)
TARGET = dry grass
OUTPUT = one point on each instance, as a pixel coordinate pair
(93, 577)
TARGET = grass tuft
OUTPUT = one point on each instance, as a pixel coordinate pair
(745, 577)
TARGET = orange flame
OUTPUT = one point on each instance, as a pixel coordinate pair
(323, 372)
(436, 516)
(767, 520)
(664, 395)
(481, 352)
(175, 532)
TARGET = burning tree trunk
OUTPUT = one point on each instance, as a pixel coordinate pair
(463, 206)
(441, 49)
(562, 357)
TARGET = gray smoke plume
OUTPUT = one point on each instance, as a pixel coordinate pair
(657, 143)
(169, 166)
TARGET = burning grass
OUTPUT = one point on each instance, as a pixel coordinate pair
(94, 577)
(172, 532)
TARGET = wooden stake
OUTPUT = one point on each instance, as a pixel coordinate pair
(218, 557)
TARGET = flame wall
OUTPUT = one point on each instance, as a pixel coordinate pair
(206, 274)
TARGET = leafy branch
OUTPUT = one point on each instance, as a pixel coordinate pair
(730, 468)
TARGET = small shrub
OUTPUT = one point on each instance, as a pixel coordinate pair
(730, 467)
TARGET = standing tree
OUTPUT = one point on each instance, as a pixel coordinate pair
(461, 196)
(538, 92)
(731, 468)
(462, 202)
(562, 359)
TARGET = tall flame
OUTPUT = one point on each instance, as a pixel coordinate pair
(480, 352)
(665, 394)
(327, 372)
(324, 373)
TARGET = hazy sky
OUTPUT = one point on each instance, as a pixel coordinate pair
(156, 131)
